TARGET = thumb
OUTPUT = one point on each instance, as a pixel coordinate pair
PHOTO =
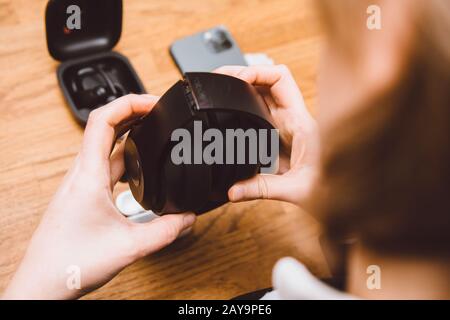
(261, 186)
(161, 232)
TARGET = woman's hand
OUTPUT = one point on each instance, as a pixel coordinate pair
(298, 134)
(82, 238)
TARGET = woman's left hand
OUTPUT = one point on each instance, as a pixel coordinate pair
(83, 241)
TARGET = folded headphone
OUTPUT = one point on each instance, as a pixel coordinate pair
(216, 101)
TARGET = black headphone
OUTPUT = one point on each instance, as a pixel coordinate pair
(217, 101)
(93, 87)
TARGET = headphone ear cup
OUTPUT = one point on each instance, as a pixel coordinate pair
(170, 196)
(247, 170)
(184, 187)
(224, 174)
(221, 173)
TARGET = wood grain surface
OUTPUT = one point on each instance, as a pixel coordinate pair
(231, 250)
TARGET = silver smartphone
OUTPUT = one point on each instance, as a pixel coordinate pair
(206, 51)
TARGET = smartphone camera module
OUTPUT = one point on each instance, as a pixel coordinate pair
(217, 40)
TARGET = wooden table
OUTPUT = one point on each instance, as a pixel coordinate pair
(231, 250)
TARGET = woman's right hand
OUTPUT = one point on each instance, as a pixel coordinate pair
(298, 135)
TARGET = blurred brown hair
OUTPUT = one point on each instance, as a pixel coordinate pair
(386, 169)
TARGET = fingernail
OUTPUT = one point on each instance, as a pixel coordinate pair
(236, 194)
(189, 220)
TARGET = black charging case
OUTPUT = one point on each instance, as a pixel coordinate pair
(88, 49)
(217, 101)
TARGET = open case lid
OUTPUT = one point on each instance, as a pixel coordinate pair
(77, 28)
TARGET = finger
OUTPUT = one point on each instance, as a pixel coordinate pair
(267, 186)
(254, 188)
(278, 78)
(232, 71)
(266, 76)
(160, 232)
(100, 129)
(256, 75)
(117, 166)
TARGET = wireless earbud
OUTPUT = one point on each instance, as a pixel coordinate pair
(94, 88)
